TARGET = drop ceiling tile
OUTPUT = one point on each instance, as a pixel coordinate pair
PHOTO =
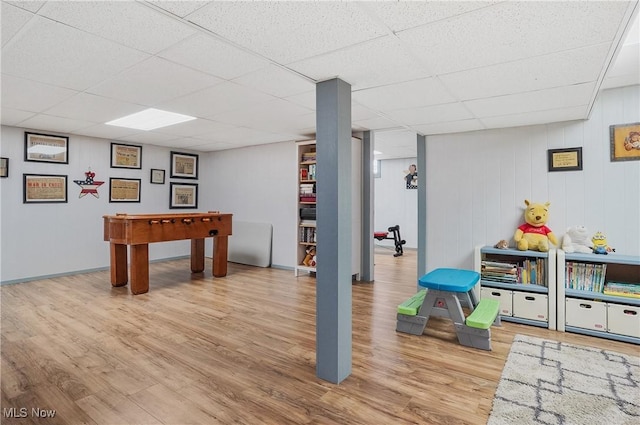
(399, 16)
(13, 18)
(288, 31)
(556, 98)
(18, 93)
(213, 56)
(104, 131)
(180, 8)
(277, 115)
(14, 116)
(154, 81)
(360, 112)
(54, 53)
(129, 23)
(431, 114)
(147, 137)
(557, 69)
(276, 81)
(211, 147)
(218, 99)
(377, 123)
(449, 127)
(306, 99)
(538, 117)
(44, 122)
(526, 29)
(193, 128)
(410, 94)
(377, 62)
(93, 108)
(626, 69)
(31, 6)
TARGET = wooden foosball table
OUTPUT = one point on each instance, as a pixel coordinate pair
(139, 230)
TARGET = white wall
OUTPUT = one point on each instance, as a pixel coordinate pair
(394, 203)
(477, 183)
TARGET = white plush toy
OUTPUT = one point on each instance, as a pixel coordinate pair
(577, 240)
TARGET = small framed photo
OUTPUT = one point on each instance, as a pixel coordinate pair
(46, 148)
(124, 190)
(157, 176)
(565, 159)
(184, 195)
(44, 188)
(625, 142)
(184, 165)
(4, 167)
(126, 156)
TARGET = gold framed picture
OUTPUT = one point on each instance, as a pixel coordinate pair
(625, 142)
(569, 159)
(184, 165)
(184, 195)
(126, 156)
(44, 188)
(4, 167)
(124, 190)
(46, 148)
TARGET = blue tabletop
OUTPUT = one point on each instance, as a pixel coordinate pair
(452, 280)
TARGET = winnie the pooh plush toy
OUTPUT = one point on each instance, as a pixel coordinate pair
(533, 234)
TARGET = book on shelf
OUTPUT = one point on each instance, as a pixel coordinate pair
(528, 272)
(585, 276)
(622, 289)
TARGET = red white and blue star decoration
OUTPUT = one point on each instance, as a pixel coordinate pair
(89, 185)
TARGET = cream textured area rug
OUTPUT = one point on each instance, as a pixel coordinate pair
(551, 382)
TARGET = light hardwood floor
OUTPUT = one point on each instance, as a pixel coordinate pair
(240, 349)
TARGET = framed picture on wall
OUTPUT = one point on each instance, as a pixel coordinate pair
(184, 195)
(126, 156)
(124, 190)
(625, 142)
(46, 148)
(184, 165)
(157, 176)
(4, 167)
(44, 188)
(565, 159)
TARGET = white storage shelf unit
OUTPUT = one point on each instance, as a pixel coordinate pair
(593, 312)
(521, 303)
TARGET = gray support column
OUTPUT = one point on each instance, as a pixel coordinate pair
(334, 221)
(422, 205)
(367, 206)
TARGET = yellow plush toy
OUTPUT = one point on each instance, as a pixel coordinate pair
(534, 235)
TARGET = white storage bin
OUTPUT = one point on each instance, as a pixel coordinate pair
(586, 314)
(531, 306)
(623, 320)
(504, 296)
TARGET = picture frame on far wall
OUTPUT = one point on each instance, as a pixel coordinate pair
(157, 176)
(126, 156)
(46, 148)
(44, 188)
(625, 142)
(184, 165)
(4, 167)
(569, 159)
(124, 189)
(183, 195)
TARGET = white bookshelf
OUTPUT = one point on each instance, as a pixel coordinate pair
(594, 313)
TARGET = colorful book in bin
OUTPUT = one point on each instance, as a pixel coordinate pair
(622, 289)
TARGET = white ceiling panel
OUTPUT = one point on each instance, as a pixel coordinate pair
(306, 99)
(213, 56)
(537, 117)
(450, 127)
(56, 54)
(194, 128)
(128, 23)
(208, 147)
(556, 98)
(276, 115)
(107, 132)
(526, 30)
(377, 123)
(14, 116)
(410, 94)
(45, 123)
(557, 69)
(179, 8)
(31, 6)
(93, 108)
(215, 100)
(382, 61)
(431, 114)
(13, 18)
(154, 81)
(276, 81)
(626, 70)
(288, 31)
(18, 93)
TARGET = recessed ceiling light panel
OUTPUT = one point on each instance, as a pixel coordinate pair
(150, 119)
